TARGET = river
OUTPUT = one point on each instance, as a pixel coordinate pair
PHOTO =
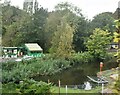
(75, 75)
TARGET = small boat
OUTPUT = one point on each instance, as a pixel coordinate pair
(97, 80)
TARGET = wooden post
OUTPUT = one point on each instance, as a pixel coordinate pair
(101, 65)
(59, 86)
(48, 81)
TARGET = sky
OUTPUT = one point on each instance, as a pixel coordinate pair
(89, 8)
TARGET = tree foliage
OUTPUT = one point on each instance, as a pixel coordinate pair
(80, 34)
(74, 18)
(117, 33)
(11, 24)
(104, 21)
(36, 27)
(97, 43)
(44, 27)
(62, 40)
(68, 6)
(116, 14)
(61, 29)
(19, 27)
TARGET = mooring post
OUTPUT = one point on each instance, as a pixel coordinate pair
(102, 88)
(48, 81)
(66, 89)
(59, 86)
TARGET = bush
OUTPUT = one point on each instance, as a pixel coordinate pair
(16, 71)
(117, 85)
(27, 86)
(32, 86)
(10, 88)
(47, 65)
(83, 58)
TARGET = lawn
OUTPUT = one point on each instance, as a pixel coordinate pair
(55, 89)
(12, 88)
(96, 90)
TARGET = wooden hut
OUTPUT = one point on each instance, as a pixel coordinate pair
(33, 50)
(12, 51)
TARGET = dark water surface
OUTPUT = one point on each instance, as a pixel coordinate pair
(75, 75)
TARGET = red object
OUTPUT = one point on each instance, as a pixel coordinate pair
(101, 65)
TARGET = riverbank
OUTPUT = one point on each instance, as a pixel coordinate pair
(95, 91)
(111, 76)
(71, 71)
(54, 89)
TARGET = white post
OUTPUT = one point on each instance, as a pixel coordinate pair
(102, 87)
(66, 89)
(59, 86)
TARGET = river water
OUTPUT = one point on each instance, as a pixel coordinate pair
(75, 75)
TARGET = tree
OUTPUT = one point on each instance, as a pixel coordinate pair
(37, 26)
(60, 28)
(62, 40)
(105, 21)
(117, 33)
(50, 28)
(80, 34)
(117, 39)
(74, 18)
(7, 2)
(0, 30)
(97, 43)
(67, 6)
(33, 27)
(12, 21)
(20, 27)
(116, 14)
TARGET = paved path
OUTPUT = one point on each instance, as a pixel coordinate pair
(107, 90)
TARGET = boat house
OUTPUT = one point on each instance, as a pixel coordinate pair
(33, 50)
(12, 51)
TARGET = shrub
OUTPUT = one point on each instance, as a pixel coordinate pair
(82, 58)
(117, 85)
(16, 71)
(27, 86)
(32, 86)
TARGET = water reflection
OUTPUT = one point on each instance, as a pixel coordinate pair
(75, 75)
(72, 76)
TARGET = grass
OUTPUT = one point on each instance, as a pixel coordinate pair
(12, 88)
(55, 89)
(96, 90)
